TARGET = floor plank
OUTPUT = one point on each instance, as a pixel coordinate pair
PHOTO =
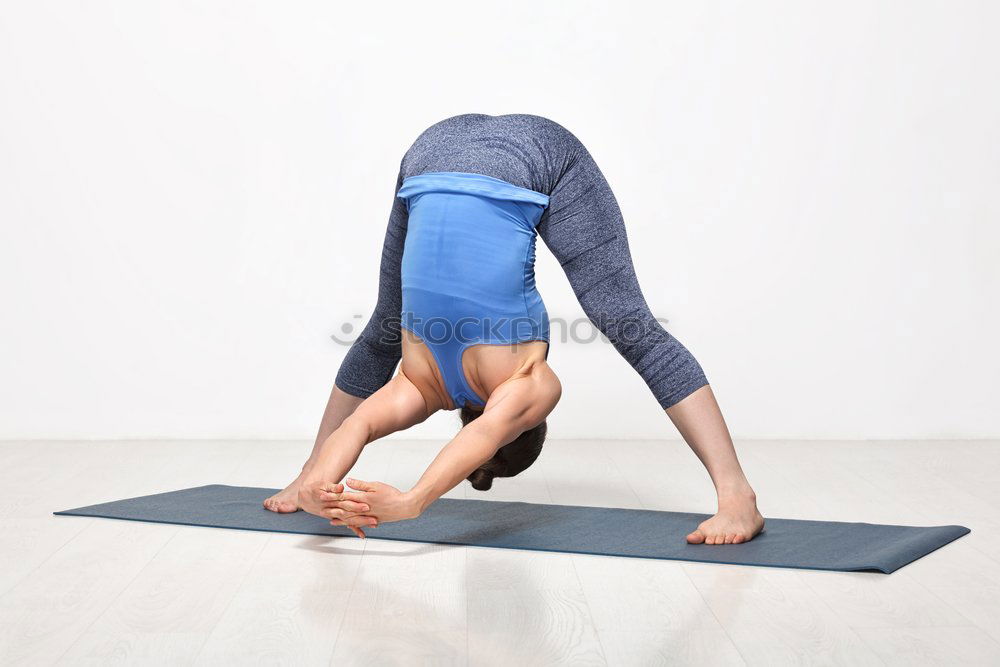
(785, 627)
(932, 646)
(46, 612)
(168, 610)
(290, 606)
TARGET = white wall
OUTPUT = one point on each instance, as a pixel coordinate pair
(193, 196)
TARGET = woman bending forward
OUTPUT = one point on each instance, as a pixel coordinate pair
(458, 305)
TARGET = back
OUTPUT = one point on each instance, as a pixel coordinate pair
(468, 268)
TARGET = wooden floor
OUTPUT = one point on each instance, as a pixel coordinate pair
(93, 591)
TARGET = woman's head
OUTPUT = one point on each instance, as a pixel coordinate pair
(511, 459)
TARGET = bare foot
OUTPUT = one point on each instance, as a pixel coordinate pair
(287, 500)
(736, 521)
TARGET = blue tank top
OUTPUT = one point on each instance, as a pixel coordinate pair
(468, 269)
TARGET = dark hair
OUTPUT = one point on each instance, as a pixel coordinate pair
(513, 458)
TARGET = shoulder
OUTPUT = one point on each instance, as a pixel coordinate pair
(548, 388)
(527, 398)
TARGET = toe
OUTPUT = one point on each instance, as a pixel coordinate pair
(730, 538)
(738, 539)
(697, 537)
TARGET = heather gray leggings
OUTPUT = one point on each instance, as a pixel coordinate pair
(582, 226)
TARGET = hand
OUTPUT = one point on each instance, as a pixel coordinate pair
(384, 502)
(325, 499)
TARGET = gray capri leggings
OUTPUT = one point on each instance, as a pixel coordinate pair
(582, 226)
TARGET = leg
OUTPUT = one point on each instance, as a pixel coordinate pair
(370, 362)
(700, 422)
(585, 230)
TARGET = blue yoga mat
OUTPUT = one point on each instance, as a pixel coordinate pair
(608, 531)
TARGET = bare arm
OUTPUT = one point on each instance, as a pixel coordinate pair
(517, 405)
(396, 406)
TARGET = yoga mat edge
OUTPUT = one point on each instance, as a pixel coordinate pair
(602, 531)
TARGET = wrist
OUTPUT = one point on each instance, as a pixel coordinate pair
(416, 500)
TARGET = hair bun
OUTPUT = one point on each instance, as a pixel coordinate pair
(481, 479)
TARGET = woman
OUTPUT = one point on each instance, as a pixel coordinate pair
(582, 225)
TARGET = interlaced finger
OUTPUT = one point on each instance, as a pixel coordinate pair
(337, 513)
(356, 496)
(347, 505)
